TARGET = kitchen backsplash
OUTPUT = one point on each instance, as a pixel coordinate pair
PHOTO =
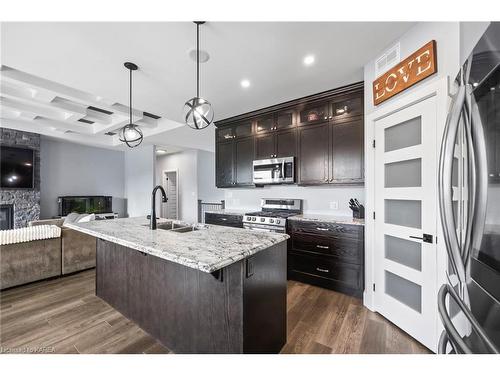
(317, 199)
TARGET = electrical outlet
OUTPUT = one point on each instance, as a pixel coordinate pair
(334, 205)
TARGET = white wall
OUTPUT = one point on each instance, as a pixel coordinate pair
(186, 163)
(72, 169)
(139, 179)
(316, 198)
(207, 191)
(447, 37)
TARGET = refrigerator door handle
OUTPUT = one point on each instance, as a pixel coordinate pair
(452, 334)
(445, 185)
(471, 179)
(481, 192)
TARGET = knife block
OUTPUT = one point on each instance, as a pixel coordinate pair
(358, 213)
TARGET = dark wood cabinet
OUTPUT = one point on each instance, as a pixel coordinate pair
(224, 164)
(285, 119)
(313, 154)
(278, 144)
(226, 220)
(324, 132)
(327, 254)
(265, 146)
(244, 154)
(234, 162)
(345, 108)
(264, 124)
(347, 156)
(313, 113)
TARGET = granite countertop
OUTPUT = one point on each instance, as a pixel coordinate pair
(328, 219)
(225, 211)
(207, 249)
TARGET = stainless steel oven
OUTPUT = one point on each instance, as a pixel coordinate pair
(274, 171)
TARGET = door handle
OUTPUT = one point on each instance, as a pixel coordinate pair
(322, 247)
(425, 237)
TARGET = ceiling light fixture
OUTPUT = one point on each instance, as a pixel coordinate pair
(161, 152)
(309, 60)
(131, 134)
(245, 83)
(198, 112)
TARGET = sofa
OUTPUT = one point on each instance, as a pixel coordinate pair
(25, 262)
(78, 250)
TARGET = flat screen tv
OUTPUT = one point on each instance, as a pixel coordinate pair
(16, 168)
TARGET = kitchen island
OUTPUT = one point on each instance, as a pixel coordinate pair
(195, 288)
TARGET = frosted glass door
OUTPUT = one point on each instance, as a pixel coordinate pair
(406, 209)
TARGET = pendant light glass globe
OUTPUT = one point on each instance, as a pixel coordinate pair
(131, 135)
(198, 113)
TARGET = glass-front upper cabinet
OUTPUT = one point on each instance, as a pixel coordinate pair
(264, 124)
(243, 129)
(343, 109)
(238, 130)
(313, 114)
(225, 134)
(285, 119)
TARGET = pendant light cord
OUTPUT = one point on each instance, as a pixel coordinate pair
(197, 60)
(130, 98)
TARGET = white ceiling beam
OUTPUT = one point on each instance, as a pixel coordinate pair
(30, 126)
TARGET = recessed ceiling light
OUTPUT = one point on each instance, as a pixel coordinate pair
(161, 152)
(245, 83)
(475, 84)
(309, 60)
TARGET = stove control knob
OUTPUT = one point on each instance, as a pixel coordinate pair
(262, 219)
(253, 218)
(271, 220)
(278, 221)
(249, 218)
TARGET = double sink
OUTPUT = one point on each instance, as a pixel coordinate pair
(175, 227)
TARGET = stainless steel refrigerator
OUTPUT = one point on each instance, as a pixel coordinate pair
(469, 195)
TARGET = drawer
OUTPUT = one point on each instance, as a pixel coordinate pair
(327, 229)
(345, 249)
(223, 219)
(346, 274)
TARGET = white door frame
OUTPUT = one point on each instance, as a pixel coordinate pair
(176, 171)
(439, 89)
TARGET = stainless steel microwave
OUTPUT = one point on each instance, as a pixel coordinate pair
(274, 171)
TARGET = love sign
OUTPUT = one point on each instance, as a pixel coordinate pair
(418, 66)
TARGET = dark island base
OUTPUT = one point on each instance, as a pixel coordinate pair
(240, 309)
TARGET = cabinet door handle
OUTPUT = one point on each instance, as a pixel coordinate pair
(322, 229)
(322, 247)
(322, 270)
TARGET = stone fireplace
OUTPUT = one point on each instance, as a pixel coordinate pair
(6, 216)
(24, 203)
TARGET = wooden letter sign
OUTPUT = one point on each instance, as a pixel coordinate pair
(419, 65)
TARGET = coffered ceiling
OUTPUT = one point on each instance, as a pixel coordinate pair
(53, 74)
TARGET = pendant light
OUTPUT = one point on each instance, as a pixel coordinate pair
(198, 112)
(131, 134)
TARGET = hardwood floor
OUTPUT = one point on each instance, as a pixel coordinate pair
(64, 316)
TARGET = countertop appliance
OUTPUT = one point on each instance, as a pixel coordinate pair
(469, 194)
(274, 171)
(273, 216)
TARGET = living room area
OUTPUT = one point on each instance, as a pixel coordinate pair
(45, 182)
